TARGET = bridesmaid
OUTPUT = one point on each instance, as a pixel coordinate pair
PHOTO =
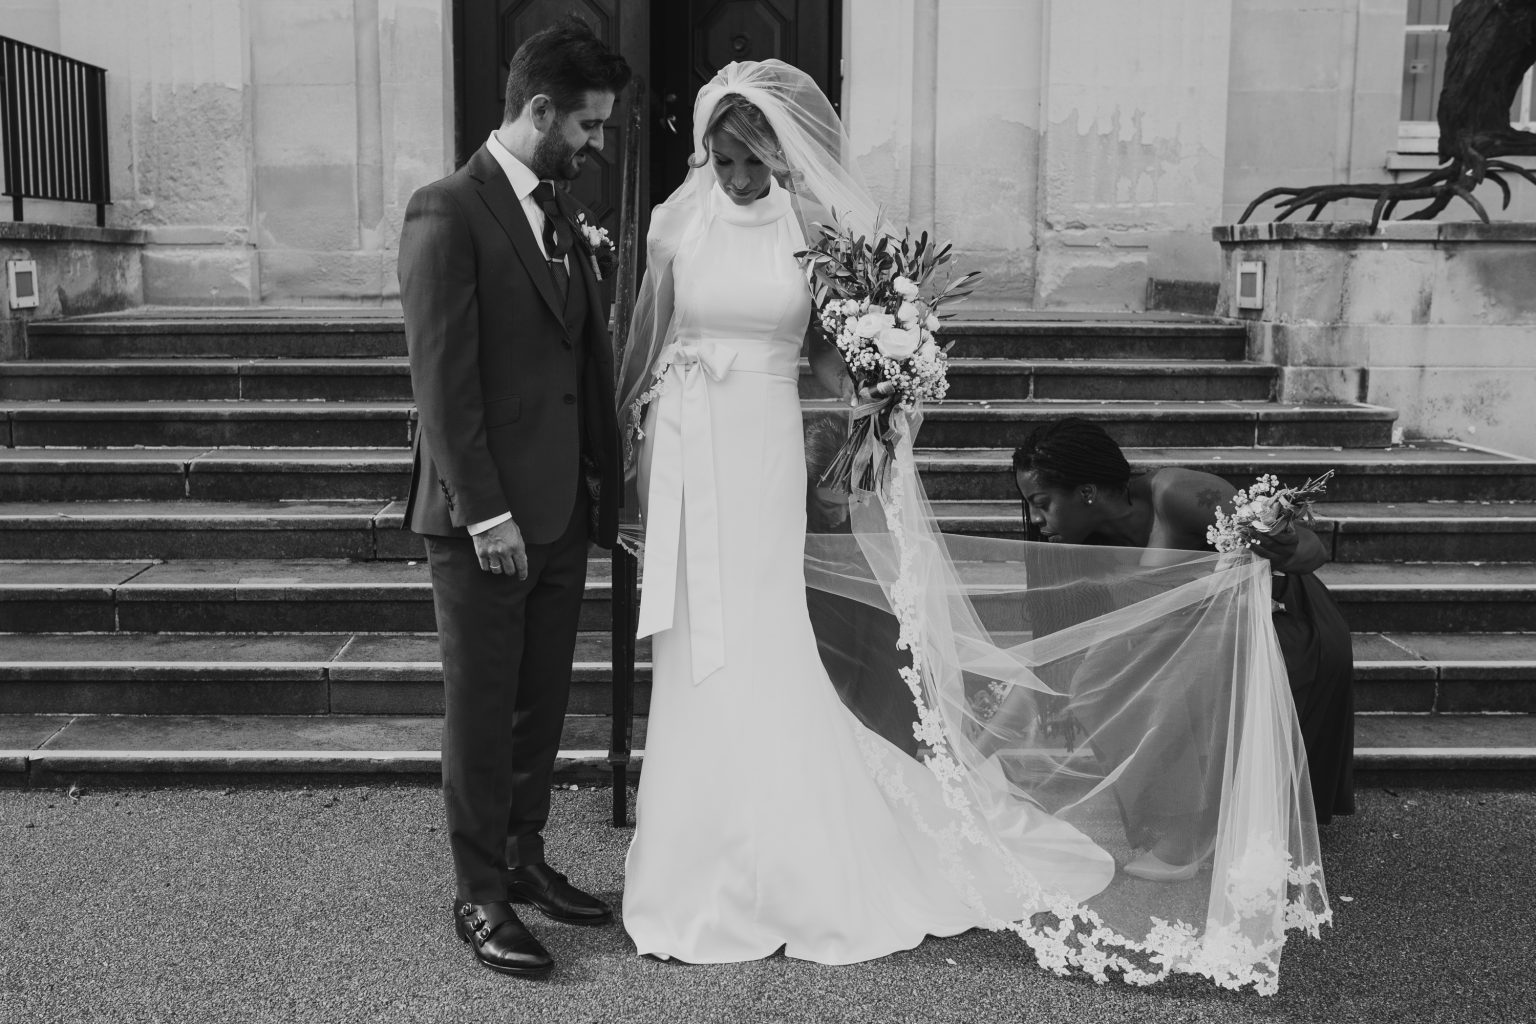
(1078, 489)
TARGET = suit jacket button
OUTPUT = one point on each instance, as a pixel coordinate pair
(570, 399)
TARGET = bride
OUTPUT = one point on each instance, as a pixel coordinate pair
(769, 816)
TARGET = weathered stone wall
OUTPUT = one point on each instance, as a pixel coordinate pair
(1314, 96)
(1134, 150)
(1436, 320)
(265, 147)
(1077, 152)
(1073, 151)
(943, 106)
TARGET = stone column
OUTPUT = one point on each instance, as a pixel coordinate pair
(1134, 149)
(943, 108)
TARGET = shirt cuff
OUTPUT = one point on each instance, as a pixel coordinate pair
(476, 529)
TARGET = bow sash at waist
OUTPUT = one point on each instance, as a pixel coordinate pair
(681, 502)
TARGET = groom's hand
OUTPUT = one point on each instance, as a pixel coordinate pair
(501, 550)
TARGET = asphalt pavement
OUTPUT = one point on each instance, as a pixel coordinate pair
(331, 903)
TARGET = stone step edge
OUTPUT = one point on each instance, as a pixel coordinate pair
(234, 323)
(569, 762)
(151, 671)
(600, 588)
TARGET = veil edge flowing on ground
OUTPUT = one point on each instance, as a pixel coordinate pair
(1138, 697)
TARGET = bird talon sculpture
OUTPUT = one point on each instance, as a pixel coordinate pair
(1492, 45)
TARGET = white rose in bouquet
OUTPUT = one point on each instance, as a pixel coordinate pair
(932, 323)
(907, 315)
(898, 343)
(904, 287)
(871, 324)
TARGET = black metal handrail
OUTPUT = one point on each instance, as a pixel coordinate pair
(53, 128)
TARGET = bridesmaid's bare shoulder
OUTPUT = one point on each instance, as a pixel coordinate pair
(1187, 499)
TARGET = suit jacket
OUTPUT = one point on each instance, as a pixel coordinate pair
(498, 372)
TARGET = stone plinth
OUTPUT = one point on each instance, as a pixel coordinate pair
(1437, 320)
(79, 270)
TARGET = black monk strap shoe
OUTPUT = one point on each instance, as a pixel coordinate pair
(499, 939)
(552, 893)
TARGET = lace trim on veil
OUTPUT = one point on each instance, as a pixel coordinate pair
(1065, 935)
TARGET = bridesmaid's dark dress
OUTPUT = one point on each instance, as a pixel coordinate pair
(1320, 663)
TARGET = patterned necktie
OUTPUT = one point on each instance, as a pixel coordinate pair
(557, 233)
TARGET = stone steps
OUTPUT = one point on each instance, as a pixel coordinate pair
(351, 335)
(1055, 337)
(1416, 472)
(234, 596)
(266, 673)
(400, 673)
(1425, 531)
(388, 378)
(368, 529)
(187, 528)
(955, 424)
(348, 336)
(201, 566)
(44, 749)
(334, 595)
(1425, 471)
(215, 424)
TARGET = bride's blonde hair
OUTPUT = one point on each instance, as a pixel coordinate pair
(744, 121)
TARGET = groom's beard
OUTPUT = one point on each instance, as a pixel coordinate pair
(554, 158)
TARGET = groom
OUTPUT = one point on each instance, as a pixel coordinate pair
(516, 459)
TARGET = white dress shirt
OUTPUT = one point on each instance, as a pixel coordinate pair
(524, 181)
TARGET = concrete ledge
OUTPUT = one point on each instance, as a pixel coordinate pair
(1446, 759)
(20, 231)
(572, 767)
(1353, 232)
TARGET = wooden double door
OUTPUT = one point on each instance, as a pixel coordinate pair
(675, 47)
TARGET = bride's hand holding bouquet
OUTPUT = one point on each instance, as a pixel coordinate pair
(874, 303)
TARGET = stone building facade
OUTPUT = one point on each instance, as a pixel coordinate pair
(1078, 151)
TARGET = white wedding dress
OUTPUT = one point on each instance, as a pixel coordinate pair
(768, 816)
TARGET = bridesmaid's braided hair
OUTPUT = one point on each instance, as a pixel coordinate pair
(1072, 452)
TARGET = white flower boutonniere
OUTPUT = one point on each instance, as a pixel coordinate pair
(600, 248)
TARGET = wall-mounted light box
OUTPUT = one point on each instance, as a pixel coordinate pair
(21, 275)
(1250, 284)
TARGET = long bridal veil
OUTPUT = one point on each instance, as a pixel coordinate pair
(1138, 696)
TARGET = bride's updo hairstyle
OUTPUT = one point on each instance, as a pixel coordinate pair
(1072, 452)
(742, 120)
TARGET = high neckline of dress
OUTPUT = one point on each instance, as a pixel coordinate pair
(766, 210)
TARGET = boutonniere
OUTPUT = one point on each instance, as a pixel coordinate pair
(599, 246)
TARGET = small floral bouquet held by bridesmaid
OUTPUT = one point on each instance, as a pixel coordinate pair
(874, 303)
(1264, 508)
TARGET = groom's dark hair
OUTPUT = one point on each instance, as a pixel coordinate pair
(562, 62)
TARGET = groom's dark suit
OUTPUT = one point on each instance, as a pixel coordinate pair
(513, 386)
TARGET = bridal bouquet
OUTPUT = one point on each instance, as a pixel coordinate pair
(1264, 508)
(874, 302)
